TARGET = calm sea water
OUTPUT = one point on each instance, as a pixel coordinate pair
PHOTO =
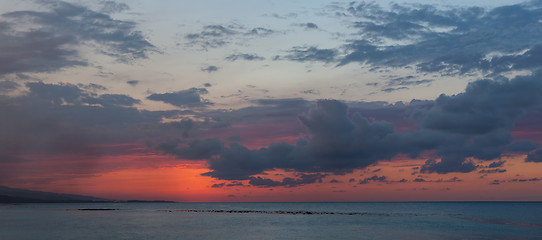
(463, 220)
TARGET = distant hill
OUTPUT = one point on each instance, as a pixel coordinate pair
(14, 195)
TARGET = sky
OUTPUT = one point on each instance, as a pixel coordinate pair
(225, 101)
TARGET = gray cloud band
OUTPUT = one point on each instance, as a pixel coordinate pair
(474, 124)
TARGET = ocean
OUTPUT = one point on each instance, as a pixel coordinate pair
(366, 220)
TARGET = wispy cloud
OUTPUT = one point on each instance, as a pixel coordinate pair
(244, 56)
(52, 43)
(214, 36)
(457, 40)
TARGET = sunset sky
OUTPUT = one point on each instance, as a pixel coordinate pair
(272, 100)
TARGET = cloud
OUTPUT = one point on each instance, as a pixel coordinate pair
(485, 106)
(133, 82)
(197, 149)
(535, 156)
(448, 41)
(449, 164)
(309, 54)
(283, 16)
(452, 131)
(481, 118)
(233, 138)
(521, 180)
(308, 26)
(338, 144)
(8, 86)
(287, 182)
(52, 42)
(259, 31)
(36, 51)
(218, 185)
(112, 100)
(393, 89)
(184, 98)
(451, 180)
(92, 87)
(214, 36)
(496, 170)
(496, 164)
(209, 69)
(407, 81)
(239, 163)
(52, 131)
(282, 103)
(244, 56)
(234, 184)
(525, 180)
(375, 178)
(113, 7)
(66, 119)
(311, 91)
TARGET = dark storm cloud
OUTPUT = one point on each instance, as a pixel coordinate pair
(184, 98)
(239, 163)
(244, 56)
(485, 115)
(452, 130)
(52, 42)
(337, 144)
(263, 111)
(448, 41)
(449, 164)
(486, 105)
(197, 149)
